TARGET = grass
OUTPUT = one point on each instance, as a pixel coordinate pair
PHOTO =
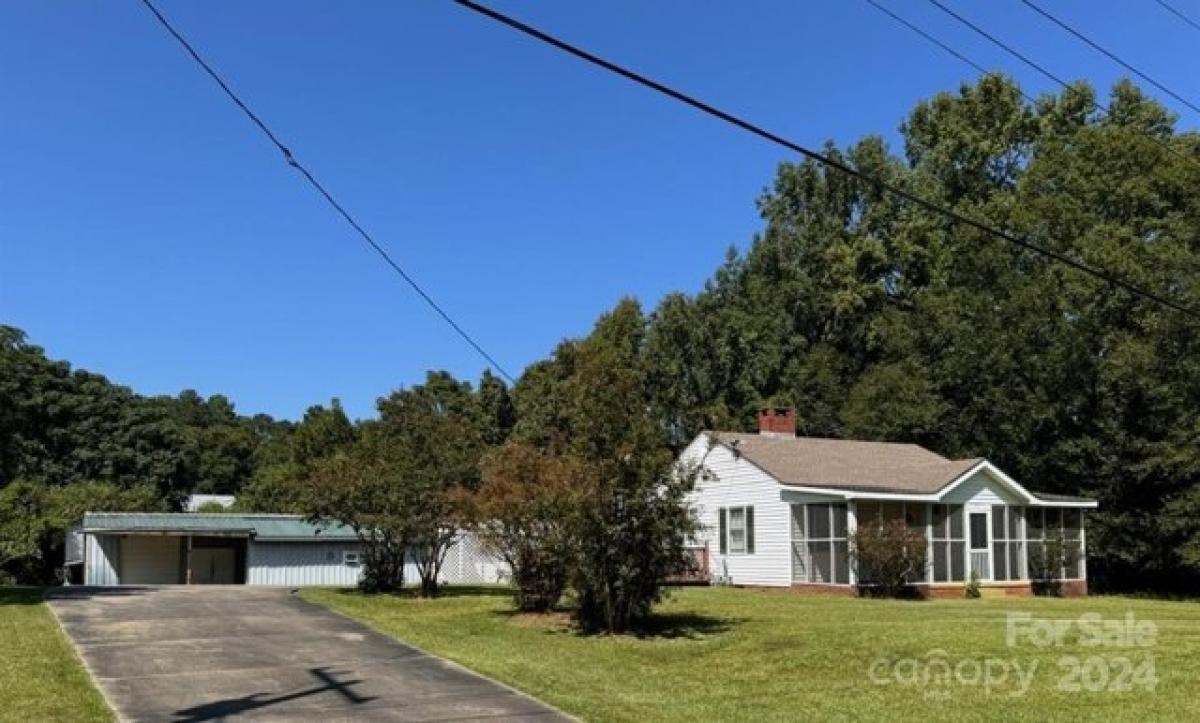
(41, 677)
(725, 653)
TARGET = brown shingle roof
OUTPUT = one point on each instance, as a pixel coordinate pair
(847, 464)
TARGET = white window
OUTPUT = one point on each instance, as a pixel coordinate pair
(350, 558)
(736, 530)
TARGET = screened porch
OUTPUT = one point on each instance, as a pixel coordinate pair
(997, 542)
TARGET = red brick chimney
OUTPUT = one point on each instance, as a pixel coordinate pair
(777, 421)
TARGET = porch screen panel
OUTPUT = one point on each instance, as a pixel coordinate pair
(1035, 541)
(866, 512)
(818, 522)
(841, 551)
(799, 547)
(1073, 542)
(979, 531)
(820, 547)
(940, 567)
(841, 559)
(891, 511)
(839, 521)
(914, 515)
(825, 544)
(1006, 545)
(822, 560)
(949, 544)
(1016, 550)
(958, 572)
(1053, 521)
(1055, 542)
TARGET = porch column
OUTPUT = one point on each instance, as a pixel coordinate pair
(1023, 536)
(188, 558)
(851, 526)
(1082, 545)
(928, 542)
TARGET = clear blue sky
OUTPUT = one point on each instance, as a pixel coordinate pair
(147, 231)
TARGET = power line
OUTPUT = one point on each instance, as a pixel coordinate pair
(308, 176)
(1178, 14)
(1164, 143)
(1000, 44)
(933, 40)
(1112, 56)
(1095, 272)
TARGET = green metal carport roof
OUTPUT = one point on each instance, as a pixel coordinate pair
(262, 527)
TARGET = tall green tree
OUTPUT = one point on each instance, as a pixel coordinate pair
(433, 434)
(627, 524)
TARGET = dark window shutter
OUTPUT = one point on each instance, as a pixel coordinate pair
(722, 529)
(749, 530)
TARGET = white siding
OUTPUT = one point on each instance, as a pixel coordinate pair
(301, 563)
(152, 559)
(733, 482)
(981, 490)
(100, 559)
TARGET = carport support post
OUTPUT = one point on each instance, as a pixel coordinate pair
(188, 579)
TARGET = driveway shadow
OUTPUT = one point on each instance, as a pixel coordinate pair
(219, 709)
(77, 592)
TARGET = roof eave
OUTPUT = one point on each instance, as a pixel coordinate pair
(174, 531)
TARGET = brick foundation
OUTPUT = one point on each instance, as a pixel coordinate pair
(1074, 588)
(944, 591)
(954, 590)
(824, 589)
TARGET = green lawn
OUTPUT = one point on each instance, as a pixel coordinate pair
(723, 653)
(41, 678)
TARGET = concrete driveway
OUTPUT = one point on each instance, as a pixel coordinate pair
(205, 653)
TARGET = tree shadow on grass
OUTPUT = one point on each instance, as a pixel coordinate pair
(689, 626)
(475, 591)
(412, 592)
(659, 626)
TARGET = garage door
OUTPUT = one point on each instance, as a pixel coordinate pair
(151, 560)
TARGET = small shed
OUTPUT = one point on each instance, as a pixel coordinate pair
(196, 548)
(148, 548)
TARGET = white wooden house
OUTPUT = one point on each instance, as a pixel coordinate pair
(779, 510)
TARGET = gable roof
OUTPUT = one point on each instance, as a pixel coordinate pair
(863, 467)
(259, 526)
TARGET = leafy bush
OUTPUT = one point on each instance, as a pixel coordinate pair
(971, 589)
(522, 513)
(888, 557)
(631, 535)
